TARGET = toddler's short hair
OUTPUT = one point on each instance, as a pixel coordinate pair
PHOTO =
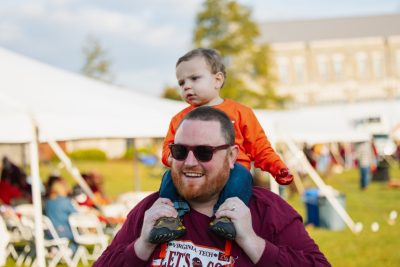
(211, 56)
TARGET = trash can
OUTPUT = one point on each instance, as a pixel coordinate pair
(328, 217)
(382, 171)
(310, 198)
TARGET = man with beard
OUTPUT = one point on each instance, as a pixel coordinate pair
(269, 231)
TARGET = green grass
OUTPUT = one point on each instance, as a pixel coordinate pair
(342, 248)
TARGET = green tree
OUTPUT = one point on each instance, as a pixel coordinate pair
(171, 92)
(227, 26)
(97, 65)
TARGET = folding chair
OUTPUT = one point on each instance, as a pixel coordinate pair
(4, 242)
(56, 248)
(21, 238)
(88, 231)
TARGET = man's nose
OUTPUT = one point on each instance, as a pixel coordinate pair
(191, 159)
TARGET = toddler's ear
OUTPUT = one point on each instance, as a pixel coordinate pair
(219, 78)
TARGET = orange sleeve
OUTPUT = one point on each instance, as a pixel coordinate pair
(256, 144)
(169, 138)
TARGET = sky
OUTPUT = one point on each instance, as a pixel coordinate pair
(143, 39)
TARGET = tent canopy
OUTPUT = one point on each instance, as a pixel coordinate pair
(68, 106)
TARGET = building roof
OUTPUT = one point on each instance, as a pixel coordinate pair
(331, 28)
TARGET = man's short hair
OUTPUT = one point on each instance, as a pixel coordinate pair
(211, 56)
(207, 113)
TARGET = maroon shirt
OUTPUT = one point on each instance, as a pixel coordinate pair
(287, 242)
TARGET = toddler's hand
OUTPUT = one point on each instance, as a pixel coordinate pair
(284, 177)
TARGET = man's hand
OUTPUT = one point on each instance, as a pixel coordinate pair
(284, 177)
(163, 207)
(246, 238)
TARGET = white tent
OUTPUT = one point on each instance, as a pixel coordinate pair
(332, 123)
(68, 106)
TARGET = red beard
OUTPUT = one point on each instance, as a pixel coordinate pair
(210, 187)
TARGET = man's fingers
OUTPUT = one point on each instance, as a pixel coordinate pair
(164, 201)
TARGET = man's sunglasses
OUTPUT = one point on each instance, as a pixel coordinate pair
(201, 153)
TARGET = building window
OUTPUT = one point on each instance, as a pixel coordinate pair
(322, 64)
(299, 69)
(338, 60)
(377, 64)
(362, 61)
(283, 69)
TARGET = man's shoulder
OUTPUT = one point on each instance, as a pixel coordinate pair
(145, 203)
(266, 196)
(273, 203)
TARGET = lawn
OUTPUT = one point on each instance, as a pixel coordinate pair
(342, 248)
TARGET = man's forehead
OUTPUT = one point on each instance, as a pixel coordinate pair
(198, 131)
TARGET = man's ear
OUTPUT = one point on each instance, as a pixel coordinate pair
(219, 80)
(233, 153)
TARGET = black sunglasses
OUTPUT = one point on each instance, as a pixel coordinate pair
(201, 153)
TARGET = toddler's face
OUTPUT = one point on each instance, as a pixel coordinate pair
(198, 85)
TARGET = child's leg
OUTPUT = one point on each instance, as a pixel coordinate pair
(239, 185)
(168, 190)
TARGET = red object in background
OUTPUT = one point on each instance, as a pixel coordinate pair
(8, 192)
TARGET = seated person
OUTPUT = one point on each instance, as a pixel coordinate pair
(58, 206)
(269, 231)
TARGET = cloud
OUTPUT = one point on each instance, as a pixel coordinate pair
(150, 81)
(134, 27)
(10, 32)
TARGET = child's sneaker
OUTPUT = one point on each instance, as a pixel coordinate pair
(224, 227)
(166, 229)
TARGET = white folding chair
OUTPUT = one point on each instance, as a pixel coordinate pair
(88, 231)
(21, 238)
(4, 242)
(56, 247)
(25, 209)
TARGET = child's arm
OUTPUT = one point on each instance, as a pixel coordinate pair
(169, 138)
(264, 156)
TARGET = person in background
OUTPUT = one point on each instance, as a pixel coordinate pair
(14, 188)
(201, 75)
(367, 162)
(58, 206)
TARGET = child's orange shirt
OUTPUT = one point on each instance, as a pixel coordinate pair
(249, 136)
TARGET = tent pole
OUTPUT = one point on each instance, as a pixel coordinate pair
(322, 186)
(136, 171)
(37, 198)
(71, 169)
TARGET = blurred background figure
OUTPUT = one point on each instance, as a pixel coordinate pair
(310, 154)
(95, 181)
(58, 207)
(366, 162)
(14, 188)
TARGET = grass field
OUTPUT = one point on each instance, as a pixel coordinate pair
(342, 248)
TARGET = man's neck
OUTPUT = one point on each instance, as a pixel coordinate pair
(206, 208)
